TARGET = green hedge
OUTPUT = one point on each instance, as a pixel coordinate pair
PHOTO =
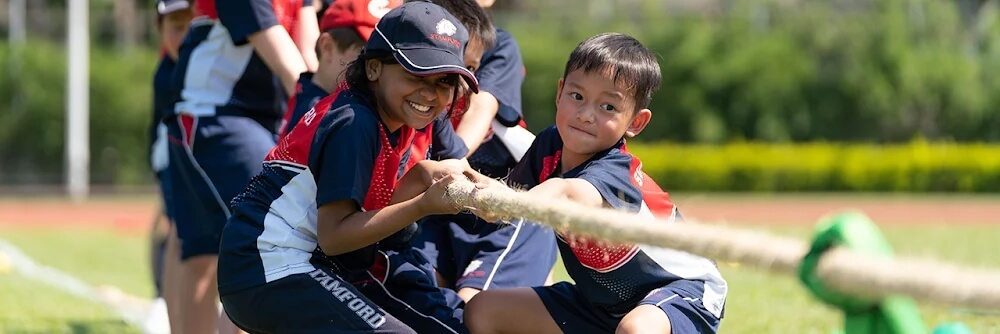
(915, 167)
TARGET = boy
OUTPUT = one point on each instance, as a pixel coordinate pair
(235, 69)
(345, 27)
(172, 20)
(602, 98)
(468, 254)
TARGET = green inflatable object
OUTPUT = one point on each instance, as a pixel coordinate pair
(892, 315)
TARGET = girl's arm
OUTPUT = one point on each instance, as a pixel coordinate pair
(342, 227)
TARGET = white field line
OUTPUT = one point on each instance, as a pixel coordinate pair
(129, 308)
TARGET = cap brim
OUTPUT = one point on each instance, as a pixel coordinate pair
(428, 61)
(167, 7)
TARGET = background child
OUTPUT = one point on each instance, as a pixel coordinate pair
(471, 255)
(620, 288)
(235, 69)
(303, 229)
(172, 20)
(345, 27)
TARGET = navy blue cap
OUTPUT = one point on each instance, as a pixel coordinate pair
(425, 39)
(164, 7)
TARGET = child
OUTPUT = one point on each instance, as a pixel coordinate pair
(304, 228)
(602, 98)
(471, 255)
(236, 67)
(345, 27)
(173, 17)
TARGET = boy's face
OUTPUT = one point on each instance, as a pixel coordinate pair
(593, 112)
(473, 56)
(333, 58)
(173, 28)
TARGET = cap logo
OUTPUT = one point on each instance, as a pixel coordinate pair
(378, 8)
(445, 27)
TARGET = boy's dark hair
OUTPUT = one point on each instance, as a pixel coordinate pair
(344, 37)
(631, 64)
(473, 17)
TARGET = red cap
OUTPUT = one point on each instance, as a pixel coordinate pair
(362, 15)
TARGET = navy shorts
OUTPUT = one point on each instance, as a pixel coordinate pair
(211, 161)
(316, 302)
(402, 282)
(680, 300)
(471, 253)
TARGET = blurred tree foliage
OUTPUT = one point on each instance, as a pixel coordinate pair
(874, 71)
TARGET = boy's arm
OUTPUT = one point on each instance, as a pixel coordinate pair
(254, 21)
(577, 190)
(276, 48)
(306, 33)
(476, 121)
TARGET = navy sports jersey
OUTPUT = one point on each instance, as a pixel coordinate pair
(227, 77)
(341, 144)
(618, 276)
(307, 93)
(162, 106)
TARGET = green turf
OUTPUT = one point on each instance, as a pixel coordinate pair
(97, 256)
(32, 307)
(758, 302)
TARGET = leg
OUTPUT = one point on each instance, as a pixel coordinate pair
(199, 293)
(401, 282)
(518, 310)
(501, 256)
(432, 242)
(644, 319)
(172, 277)
(678, 307)
(315, 302)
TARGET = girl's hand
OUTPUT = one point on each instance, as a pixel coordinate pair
(434, 201)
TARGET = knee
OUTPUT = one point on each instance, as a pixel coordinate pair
(478, 315)
(644, 319)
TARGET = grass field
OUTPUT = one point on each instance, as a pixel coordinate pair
(758, 302)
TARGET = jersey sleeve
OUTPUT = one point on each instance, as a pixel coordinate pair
(343, 155)
(245, 17)
(527, 172)
(446, 144)
(501, 74)
(612, 176)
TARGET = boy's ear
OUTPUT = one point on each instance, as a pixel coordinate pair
(325, 45)
(639, 122)
(373, 69)
(559, 89)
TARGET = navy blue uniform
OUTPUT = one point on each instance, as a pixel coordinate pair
(467, 251)
(273, 277)
(307, 93)
(228, 106)
(611, 280)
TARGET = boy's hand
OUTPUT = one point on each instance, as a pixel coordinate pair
(434, 201)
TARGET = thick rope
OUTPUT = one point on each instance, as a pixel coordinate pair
(843, 270)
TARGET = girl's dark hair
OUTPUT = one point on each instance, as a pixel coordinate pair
(357, 78)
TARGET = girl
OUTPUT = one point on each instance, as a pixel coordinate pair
(308, 225)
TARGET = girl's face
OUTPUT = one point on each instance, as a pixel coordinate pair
(407, 99)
